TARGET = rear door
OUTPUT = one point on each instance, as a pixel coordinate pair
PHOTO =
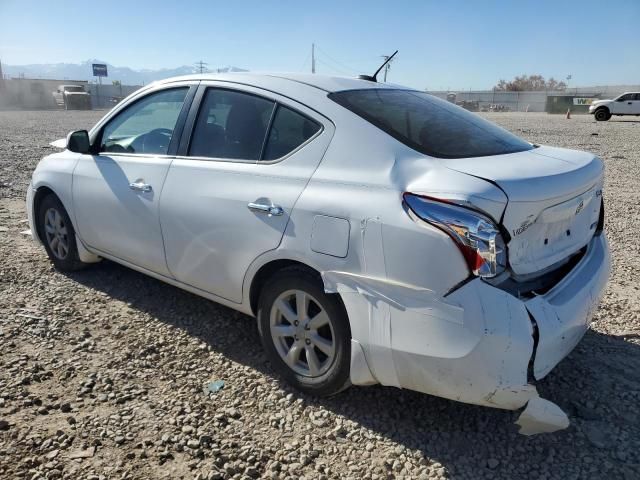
(246, 156)
(636, 104)
(623, 105)
(116, 192)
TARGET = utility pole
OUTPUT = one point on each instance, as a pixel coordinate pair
(201, 66)
(313, 58)
(386, 67)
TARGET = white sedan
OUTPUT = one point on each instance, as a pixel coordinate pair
(378, 234)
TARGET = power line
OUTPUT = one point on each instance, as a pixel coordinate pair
(341, 64)
(335, 69)
(306, 59)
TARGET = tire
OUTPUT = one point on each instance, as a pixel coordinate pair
(318, 345)
(58, 235)
(602, 115)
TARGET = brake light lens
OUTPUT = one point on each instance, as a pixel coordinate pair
(476, 235)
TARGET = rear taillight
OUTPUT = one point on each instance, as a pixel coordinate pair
(475, 234)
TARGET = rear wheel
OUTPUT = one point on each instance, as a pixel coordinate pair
(305, 332)
(602, 115)
(57, 235)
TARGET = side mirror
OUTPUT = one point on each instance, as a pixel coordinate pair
(78, 141)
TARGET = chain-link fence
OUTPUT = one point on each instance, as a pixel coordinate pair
(531, 101)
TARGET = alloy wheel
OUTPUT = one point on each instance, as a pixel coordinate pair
(56, 233)
(302, 333)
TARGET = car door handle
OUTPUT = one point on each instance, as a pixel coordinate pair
(628, 103)
(274, 210)
(141, 187)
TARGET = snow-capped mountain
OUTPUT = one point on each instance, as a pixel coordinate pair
(83, 71)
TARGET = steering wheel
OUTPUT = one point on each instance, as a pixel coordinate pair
(157, 140)
(116, 148)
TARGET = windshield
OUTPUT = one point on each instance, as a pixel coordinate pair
(73, 88)
(430, 125)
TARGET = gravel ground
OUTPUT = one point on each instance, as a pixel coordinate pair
(101, 372)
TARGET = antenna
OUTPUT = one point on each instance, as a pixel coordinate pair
(374, 77)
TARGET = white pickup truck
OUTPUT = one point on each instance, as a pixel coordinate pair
(626, 104)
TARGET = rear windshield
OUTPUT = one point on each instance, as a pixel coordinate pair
(430, 125)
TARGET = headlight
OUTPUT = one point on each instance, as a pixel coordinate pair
(475, 234)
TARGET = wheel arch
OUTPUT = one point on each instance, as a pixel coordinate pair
(266, 271)
(40, 194)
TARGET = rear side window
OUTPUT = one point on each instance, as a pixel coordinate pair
(430, 125)
(288, 131)
(231, 124)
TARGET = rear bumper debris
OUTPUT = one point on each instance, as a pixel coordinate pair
(474, 345)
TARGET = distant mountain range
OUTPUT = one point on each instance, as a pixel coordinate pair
(83, 71)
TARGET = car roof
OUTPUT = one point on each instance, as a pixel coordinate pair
(321, 82)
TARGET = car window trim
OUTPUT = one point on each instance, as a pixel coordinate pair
(177, 131)
(265, 140)
(299, 147)
(189, 127)
(200, 106)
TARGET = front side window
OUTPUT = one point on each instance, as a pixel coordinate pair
(146, 127)
(288, 131)
(624, 98)
(231, 125)
(430, 125)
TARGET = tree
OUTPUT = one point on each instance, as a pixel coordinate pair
(529, 83)
(116, 83)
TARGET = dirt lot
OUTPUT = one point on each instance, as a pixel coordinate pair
(101, 372)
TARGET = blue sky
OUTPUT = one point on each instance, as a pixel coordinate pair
(449, 45)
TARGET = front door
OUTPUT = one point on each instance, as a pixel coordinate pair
(116, 192)
(228, 198)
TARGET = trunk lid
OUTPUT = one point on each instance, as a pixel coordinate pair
(554, 199)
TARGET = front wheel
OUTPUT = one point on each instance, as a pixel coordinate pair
(602, 115)
(57, 235)
(305, 332)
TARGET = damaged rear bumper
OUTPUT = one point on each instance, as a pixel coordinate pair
(564, 313)
(475, 345)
